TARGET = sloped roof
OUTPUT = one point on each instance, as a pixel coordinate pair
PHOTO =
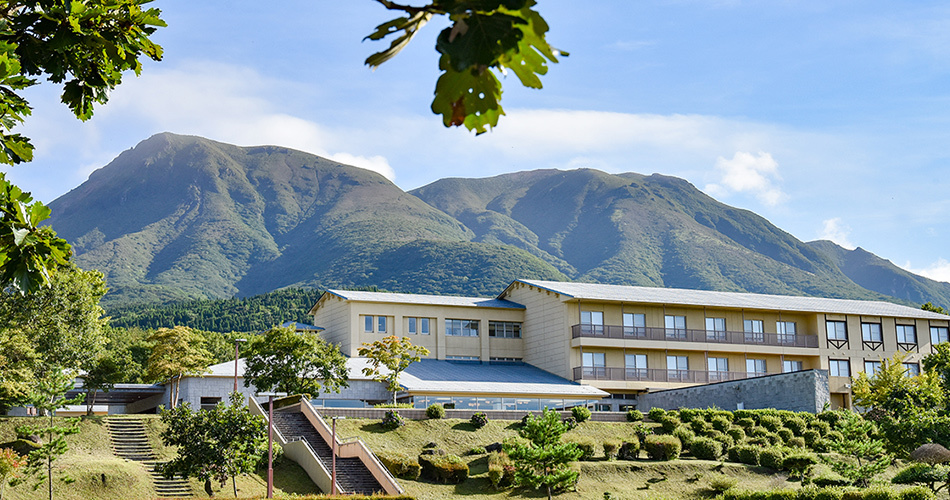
(226, 369)
(431, 375)
(679, 296)
(418, 299)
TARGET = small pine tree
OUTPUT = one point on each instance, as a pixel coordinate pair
(544, 461)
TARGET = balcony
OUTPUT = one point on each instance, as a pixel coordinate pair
(654, 375)
(684, 335)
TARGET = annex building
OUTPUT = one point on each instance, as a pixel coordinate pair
(620, 342)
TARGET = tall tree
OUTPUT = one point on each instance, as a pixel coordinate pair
(86, 46)
(395, 355)
(214, 444)
(285, 361)
(176, 352)
(545, 461)
(486, 36)
(17, 363)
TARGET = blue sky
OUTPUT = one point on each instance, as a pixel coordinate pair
(829, 118)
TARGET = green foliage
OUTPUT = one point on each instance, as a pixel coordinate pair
(720, 484)
(634, 416)
(611, 448)
(544, 461)
(934, 476)
(859, 443)
(392, 420)
(176, 352)
(736, 433)
(444, 468)
(400, 465)
(890, 390)
(17, 363)
(588, 447)
(214, 444)
(435, 411)
(281, 360)
(581, 413)
(770, 422)
(656, 414)
(797, 425)
(501, 470)
(395, 355)
(745, 422)
(705, 448)
(772, 458)
(669, 423)
(10, 464)
(685, 435)
(497, 35)
(916, 493)
(662, 447)
(720, 423)
(630, 449)
(479, 420)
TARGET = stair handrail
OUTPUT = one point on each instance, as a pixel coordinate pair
(339, 488)
(257, 409)
(390, 481)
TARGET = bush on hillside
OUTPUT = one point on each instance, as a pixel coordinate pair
(630, 449)
(479, 420)
(796, 425)
(797, 464)
(770, 422)
(580, 413)
(392, 420)
(634, 416)
(656, 414)
(435, 411)
(443, 468)
(669, 423)
(611, 447)
(705, 448)
(720, 423)
(744, 454)
(772, 458)
(400, 465)
(685, 435)
(501, 470)
(736, 433)
(587, 447)
(662, 447)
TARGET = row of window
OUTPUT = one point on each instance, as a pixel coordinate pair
(453, 327)
(681, 363)
(678, 323)
(871, 332)
(842, 368)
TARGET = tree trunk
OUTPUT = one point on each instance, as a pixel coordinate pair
(234, 485)
(208, 488)
(549, 492)
(91, 402)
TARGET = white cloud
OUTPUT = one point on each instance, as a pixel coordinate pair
(748, 173)
(834, 230)
(939, 271)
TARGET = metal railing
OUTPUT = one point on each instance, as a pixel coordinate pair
(685, 335)
(659, 375)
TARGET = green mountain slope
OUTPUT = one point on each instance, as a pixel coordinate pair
(882, 276)
(180, 218)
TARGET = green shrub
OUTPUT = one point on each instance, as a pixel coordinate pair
(785, 434)
(444, 468)
(400, 465)
(757, 431)
(736, 433)
(720, 423)
(478, 450)
(921, 473)
(580, 413)
(834, 436)
(669, 423)
(656, 414)
(630, 449)
(570, 422)
(811, 436)
(916, 493)
(772, 458)
(479, 420)
(700, 426)
(661, 447)
(829, 480)
(435, 411)
(744, 454)
(722, 483)
(796, 442)
(796, 425)
(797, 464)
(745, 422)
(725, 439)
(392, 420)
(880, 494)
(813, 493)
(501, 470)
(821, 426)
(642, 431)
(634, 416)
(611, 447)
(688, 414)
(771, 423)
(685, 435)
(587, 447)
(705, 448)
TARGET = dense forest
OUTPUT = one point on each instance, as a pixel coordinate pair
(250, 314)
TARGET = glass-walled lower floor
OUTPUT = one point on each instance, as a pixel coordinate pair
(494, 403)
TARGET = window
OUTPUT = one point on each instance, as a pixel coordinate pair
(208, 403)
(872, 367)
(504, 329)
(715, 328)
(911, 369)
(717, 369)
(636, 365)
(871, 332)
(839, 367)
(377, 324)
(789, 366)
(906, 334)
(592, 322)
(461, 327)
(419, 326)
(594, 359)
(754, 330)
(837, 333)
(506, 360)
(634, 324)
(462, 358)
(755, 367)
(675, 326)
(786, 331)
(677, 367)
(938, 334)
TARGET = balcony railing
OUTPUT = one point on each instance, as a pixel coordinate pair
(684, 335)
(655, 375)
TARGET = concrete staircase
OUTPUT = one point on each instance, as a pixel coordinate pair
(351, 474)
(129, 441)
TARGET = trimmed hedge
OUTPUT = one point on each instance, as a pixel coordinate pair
(685, 435)
(634, 416)
(705, 448)
(630, 450)
(611, 447)
(580, 413)
(501, 470)
(587, 447)
(662, 447)
(435, 411)
(744, 454)
(811, 493)
(444, 468)
(392, 420)
(400, 465)
(479, 420)
(772, 458)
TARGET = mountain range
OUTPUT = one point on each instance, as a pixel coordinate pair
(182, 217)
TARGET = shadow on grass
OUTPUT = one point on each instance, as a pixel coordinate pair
(464, 426)
(478, 466)
(514, 425)
(375, 428)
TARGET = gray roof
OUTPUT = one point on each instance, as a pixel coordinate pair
(431, 375)
(429, 300)
(679, 296)
(226, 369)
